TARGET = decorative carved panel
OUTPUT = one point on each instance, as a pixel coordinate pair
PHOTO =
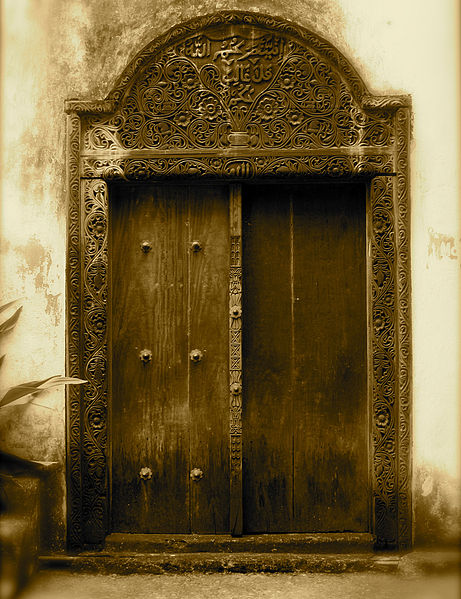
(383, 359)
(94, 312)
(224, 88)
(235, 359)
(237, 168)
(239, 96)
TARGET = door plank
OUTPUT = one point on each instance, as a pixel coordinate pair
(150, 404)
(305, 347)
(208, 387)
(267, 361)
(330, 389)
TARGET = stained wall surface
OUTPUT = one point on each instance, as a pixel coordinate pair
(54, 50)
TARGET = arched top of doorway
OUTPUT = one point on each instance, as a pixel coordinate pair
(243, 82)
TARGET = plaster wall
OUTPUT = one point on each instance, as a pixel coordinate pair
(54, 50)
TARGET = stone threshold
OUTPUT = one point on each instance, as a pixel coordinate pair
(239, 562)
(301, 543)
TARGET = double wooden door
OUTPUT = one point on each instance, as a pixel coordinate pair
(305, 429)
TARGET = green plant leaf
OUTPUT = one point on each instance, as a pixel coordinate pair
(34, 388)
(10, 322)
(6, 306)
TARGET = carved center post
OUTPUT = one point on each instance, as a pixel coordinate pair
(235, 359)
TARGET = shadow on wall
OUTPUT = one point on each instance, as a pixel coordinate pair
(437, 508)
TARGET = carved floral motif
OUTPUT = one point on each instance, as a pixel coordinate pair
(94, 401)
(240, 168)
(221, 89)
(383, 356)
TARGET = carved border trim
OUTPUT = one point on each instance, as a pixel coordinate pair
(402, 207)
(73, 339)
(94, 401)
(383, 334)
(136, 169)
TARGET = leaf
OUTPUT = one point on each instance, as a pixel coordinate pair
(21, 390)
(10, 322)
(6, 306)
(33, 388)
(54, 381)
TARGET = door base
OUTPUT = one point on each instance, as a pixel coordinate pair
(343, 542)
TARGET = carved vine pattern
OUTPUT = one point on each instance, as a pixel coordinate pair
(226, 89)
(264, 99)
(383, 359)
(74, 277)
(232, 167)
(94, 413)
(404, 331)
(235, 357)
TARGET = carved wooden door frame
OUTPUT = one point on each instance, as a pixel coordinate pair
(237, 96)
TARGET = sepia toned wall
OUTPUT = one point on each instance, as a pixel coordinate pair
(54, 50)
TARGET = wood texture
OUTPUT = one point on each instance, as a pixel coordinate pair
(267, 361)
(208, 381)
(169, 415)
(305, 334)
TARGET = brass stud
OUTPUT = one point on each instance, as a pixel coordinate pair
(146, 246)
(236, 311)
(196, 474)
(196, 355)
(236, 388)
(145, 355)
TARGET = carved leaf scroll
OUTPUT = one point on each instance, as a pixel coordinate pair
(220, 89)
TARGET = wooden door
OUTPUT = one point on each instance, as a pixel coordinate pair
(169, 413)
(305, 407)
(305, 410)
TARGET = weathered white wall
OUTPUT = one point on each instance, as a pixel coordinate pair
(53, 50)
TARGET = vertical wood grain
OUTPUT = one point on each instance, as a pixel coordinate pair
(267, 361)
(170, 415)
(150, 401)
(331, 491)
(305, 336)
(208, 383)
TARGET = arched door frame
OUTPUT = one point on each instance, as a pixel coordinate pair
(255, 126)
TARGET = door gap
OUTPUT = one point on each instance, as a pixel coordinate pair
(188, 237)
(292, 359)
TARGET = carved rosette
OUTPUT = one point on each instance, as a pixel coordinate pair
(239, 96)
(94, 413)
